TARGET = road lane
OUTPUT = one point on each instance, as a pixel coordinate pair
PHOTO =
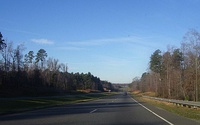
(153, 112)
(113, 110)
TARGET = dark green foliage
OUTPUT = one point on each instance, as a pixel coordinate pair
(86, 81)
(41, 54)
(156, 61)
(177, 59)
(2, 44)
(30, 56)
(21, 83)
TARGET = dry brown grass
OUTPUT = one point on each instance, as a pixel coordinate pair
(139, 93)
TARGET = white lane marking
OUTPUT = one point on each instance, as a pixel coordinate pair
(93, 111)
(152, 112)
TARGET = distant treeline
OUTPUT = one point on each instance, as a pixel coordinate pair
(174, 73)
(33, 74)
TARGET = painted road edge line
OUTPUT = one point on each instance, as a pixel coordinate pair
(152, 112)
(93, 111)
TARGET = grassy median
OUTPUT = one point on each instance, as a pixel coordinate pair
(12, 105)
(182, 111)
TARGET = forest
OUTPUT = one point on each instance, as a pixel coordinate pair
(33, 74)
(174, 73)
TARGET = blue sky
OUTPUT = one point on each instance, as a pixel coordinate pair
(112, 39)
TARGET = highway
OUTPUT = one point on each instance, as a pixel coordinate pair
(113, 110)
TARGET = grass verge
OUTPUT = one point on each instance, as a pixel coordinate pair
(14, 105)
(182, 111)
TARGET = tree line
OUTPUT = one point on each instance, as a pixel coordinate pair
(174, 73)
(35, 74)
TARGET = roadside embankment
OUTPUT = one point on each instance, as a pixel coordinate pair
(21, 104)
(192, 113)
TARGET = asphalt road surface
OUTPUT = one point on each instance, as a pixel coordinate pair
(114, 110)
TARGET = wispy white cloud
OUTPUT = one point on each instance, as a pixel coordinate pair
(71, 48)
(132, 40)
(136, 42)
(19, 31)
(97, 42)
(43, 41)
